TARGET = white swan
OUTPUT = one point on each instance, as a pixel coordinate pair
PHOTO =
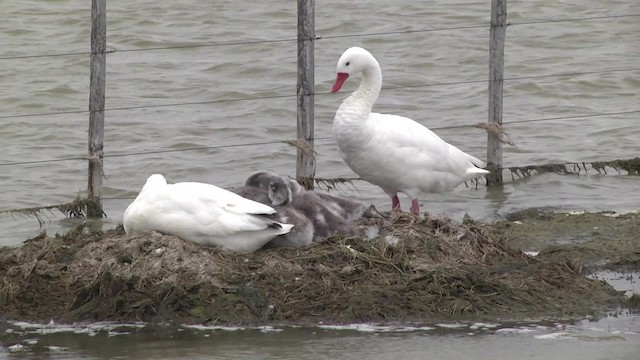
(204, 214)
(390, 151)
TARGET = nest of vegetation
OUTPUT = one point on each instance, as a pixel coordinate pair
(407, 268)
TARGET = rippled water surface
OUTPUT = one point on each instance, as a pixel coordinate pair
(422, 60)
(610, 338)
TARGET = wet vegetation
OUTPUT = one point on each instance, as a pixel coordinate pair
(630, 166)
(404, 268)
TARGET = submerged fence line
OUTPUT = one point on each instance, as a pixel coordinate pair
(284, 96)
(289, 141)
(317, 37)
(79, 206)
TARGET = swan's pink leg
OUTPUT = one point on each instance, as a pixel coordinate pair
(415, 207)
(395, 202)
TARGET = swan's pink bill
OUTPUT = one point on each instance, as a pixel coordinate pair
(340, 79)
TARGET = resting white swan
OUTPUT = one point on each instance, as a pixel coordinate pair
(390, 151)
(204, 214)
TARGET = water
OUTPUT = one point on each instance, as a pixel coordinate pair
(615, 337)
(204, 74)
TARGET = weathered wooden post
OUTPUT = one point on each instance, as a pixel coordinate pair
(496, 76)
(96, 103)
(306, 162)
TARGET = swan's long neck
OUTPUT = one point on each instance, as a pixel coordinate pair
(350, 126)
(369, 89)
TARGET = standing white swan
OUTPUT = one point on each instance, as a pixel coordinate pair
(393, 152)
(204, 214)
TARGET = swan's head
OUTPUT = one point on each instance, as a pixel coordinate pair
(353, 61)
(156, 180)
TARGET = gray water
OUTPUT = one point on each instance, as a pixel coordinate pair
(615, 337)
(147, 78)
(204, 74)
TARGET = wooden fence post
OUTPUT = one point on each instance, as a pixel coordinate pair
(496, 76)
(306, 162)
(96, 104)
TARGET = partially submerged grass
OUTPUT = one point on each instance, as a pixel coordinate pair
(595, 239)
(414, 269)
(631, 166)
(78, 208)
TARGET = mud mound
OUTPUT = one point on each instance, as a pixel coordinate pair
(406, 269)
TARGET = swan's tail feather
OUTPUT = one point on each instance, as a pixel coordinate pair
(475, 161)
(275, 225)
(285, 228)
(282, 228)
(477, 171)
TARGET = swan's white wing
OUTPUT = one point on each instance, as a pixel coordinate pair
(415, 146)
(215, 196)
(398, 154)
(217, 209)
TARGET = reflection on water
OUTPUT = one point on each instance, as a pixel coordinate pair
(626, 281)
(612, 337)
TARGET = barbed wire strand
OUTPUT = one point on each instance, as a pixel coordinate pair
(217, 147)
(318, 37)
(271, 97)
(513, 78)
(544, 21)
(525, 170)
(248, 42)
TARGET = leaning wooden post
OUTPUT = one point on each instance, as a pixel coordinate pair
(496, 65)
(96, 103)
(306, 162)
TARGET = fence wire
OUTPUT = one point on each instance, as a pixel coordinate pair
(272, 97)
(77, 208)
(217, 147)
(318, 37)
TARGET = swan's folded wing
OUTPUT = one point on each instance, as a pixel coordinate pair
(216, 209)
(212, 196)
(242, 206)
(415, 144)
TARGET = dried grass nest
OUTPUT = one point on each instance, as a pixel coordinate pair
(413, 269)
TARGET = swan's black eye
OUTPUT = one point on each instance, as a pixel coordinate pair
(348, 62)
